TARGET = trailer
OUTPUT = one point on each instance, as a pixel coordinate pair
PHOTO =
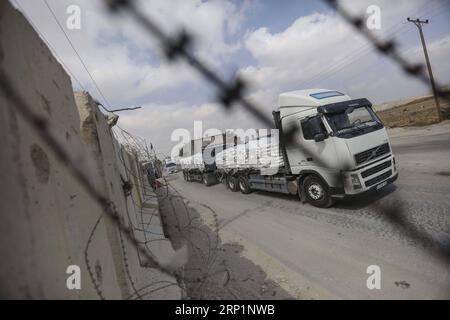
(194, 164)
(339, 149)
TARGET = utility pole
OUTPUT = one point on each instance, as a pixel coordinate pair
(418, 24)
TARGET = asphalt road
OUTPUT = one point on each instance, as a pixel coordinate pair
(324, 253)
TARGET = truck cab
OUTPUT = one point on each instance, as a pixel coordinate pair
(170, 167)
(339, 147)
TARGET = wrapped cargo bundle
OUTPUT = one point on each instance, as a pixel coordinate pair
(225, 157)
(256, 154)
(193, 162)
(184, 162)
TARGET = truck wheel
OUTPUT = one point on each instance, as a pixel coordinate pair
(232, 183)
(220, 176)
(207, 181)
(244, 185)
(316, 192)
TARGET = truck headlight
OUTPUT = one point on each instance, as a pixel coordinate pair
(355, 181)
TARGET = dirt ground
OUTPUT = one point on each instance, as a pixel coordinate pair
(413, 112)
(420, 131)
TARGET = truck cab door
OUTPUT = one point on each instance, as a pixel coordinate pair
(313, 148)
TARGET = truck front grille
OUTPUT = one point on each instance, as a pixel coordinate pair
(377, 168)
(372, 153)
(379, 178)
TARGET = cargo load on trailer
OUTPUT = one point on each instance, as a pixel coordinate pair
(263, 153)
(193, 162)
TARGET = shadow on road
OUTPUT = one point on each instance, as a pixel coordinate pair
(214, 270)
(355, 203)
(366, 200)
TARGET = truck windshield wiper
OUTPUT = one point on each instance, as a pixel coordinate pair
(352, 127)
(357, 121)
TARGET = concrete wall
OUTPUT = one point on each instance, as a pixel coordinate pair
(47, 221)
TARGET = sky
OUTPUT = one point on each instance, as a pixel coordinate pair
(276, 46)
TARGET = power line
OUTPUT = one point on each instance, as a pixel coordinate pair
(387, 48)
(362, 51)
(77, 54)
(436, 11)
(394, 29)
(49, 45)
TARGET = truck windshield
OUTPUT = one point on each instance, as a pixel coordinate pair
(353, 122)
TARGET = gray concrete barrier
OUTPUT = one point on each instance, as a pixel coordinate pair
(47, 220)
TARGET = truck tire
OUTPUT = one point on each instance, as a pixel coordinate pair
(220, 176)
(316, 192)
(244, 185)
(207, 179)
(232, 183)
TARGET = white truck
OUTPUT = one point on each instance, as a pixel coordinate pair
(339, 149)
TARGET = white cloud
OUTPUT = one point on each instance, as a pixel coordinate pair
(322, 50)
(306, 53)
(208, 21)
(124, 60)
(317, 50)
(299, 51)
(309, 47)
(157, 122)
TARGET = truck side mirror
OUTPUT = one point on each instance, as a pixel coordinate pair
(318, 137)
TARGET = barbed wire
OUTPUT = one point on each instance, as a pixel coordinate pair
(180, 47)
(333, 69)
(40, 125)
(127, 265)
(202, 243)
(204, 246)
(87, 260)
(77, 54)
(388, 48)
(137, 147)
(229, 94)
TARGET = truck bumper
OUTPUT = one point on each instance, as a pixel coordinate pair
(368, 179)
(368, 191)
